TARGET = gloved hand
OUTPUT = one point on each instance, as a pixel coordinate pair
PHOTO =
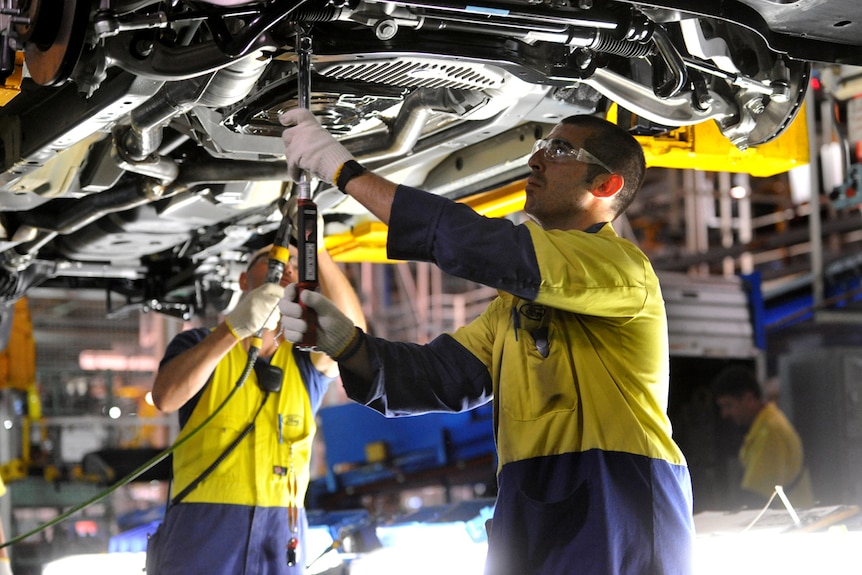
(5, 566)
(291, 213)
(255, 310)
(308, 146)
(335, 330)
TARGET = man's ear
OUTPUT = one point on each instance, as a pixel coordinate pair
(608, 185)
(243, 281)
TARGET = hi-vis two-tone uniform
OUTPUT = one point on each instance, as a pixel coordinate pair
(238, 520)
(771, 454)
(574, 353)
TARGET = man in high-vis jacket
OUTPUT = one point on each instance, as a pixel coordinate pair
(245, 516)
(771, 453)
(573, 352)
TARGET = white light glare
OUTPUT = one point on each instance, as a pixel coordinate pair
(98, 564)
(738, 192)
(834, 552)
(461, 559)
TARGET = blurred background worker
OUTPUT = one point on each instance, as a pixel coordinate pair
(247, 515)
(771, 452)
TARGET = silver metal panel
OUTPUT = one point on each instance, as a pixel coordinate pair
(707, 316)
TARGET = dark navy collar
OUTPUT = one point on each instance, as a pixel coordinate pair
(595, 228)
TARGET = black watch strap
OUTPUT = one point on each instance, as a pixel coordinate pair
(349, 170)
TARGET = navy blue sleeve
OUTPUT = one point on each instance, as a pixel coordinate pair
(491, 251)
(409, 379)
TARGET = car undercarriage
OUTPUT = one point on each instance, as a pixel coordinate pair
(141, 147)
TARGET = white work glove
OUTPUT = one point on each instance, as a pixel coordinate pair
(309, 147)
(335, 331)
(5, 567)
(255, 310)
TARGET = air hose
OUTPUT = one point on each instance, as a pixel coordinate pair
(144, 467)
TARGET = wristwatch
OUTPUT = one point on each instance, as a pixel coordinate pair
(349, 170)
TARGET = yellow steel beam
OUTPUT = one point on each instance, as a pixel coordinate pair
(12, 86)
(704, 147)
(698, 147)
(366, 242)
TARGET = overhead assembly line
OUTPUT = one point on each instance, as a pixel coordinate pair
(143, 169)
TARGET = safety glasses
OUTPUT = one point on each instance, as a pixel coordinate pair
(560, 151)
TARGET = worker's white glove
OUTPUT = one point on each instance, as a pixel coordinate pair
(335, 331)
(309, 147)
(291, 213)
(255, 310)
(5, 566)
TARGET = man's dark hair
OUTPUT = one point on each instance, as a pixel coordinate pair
(736, 381)
(616, 148)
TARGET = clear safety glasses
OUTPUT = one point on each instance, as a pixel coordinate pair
(560, 150)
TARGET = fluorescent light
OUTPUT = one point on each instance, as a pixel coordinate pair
(98, 360)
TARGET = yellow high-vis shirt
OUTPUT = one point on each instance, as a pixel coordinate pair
(771, 454)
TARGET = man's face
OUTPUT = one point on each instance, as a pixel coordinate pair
(256, 274)
(557, 188)
(735, 409)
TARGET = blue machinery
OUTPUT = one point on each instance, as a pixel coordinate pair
(363, 448)
(368, 453)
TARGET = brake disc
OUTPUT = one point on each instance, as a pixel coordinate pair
(53, 38)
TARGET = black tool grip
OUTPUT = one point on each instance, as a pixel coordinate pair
(306, 236)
